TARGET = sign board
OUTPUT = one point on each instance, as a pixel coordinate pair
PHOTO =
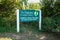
(28, 15)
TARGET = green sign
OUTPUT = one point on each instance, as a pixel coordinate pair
(28, 15)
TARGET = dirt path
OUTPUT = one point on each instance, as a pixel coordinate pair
(29, 36)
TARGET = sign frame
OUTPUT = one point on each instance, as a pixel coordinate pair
(18, 22)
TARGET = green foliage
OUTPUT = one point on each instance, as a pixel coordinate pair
(48, 24)
(58, 29)
(7, 15)
(34, 6)
(51, 16)
(7, 5)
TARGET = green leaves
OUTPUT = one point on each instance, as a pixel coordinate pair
(58, 29)
(7, 5)
(51, 16)
(48, 24)
(7, 14)
(34, 6)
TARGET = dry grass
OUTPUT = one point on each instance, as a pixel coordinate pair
(5, 39)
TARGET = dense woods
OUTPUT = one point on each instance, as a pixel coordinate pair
(51, 16)
(50, 13)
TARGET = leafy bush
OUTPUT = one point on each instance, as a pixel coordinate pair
(48, 24)
(7, 14)
(51, 17)
(58, 29)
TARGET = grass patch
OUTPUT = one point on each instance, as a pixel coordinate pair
(7, 29)
(5, 39)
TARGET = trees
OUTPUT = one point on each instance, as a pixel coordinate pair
(50, 13)
(7, 13)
